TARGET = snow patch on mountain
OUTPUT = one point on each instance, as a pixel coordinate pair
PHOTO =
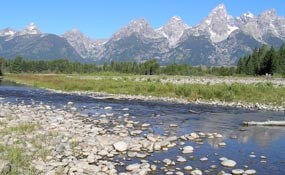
(31, 29)
(7, 32)
(218, 25)
(173, 30)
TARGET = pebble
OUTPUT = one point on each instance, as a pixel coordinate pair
(133, 167)
(237, 171)
(204, 159)
(187, 150)
(108, 108)
(167, 161)
(188, 168)
(223, 158)
(196, 172)
(181, 159)
(222, 144)
(120, 146)
(229, 163)
(252, 156)
(250, 172)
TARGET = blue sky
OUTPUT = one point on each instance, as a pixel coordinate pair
(101, 18)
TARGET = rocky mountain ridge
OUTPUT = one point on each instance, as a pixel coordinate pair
(219, 39)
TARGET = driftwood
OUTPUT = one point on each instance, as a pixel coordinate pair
(265, 123)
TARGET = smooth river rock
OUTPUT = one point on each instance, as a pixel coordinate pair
(229, 163)
(237, 171)
(187, 150)
(133, 167)
(250, 172)
(196, 172)
(120, 146)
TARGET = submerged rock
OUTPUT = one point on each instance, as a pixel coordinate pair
(229, 163)
(187, 150)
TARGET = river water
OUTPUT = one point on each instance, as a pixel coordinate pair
(241, 141)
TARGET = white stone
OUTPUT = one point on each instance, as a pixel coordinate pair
(219, 136)
(120, 146)
(196, 172)
(228, 163)
(194, 135)
(187, 149)
(237, 171)
(181, 159)
(133, 167)
(223, 158)
(153, 167)
(167, 161)
(188, 168)
(222, 144)
(250, 172)
(204, 159)
(91, 158)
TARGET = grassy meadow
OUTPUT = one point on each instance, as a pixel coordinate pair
(263, 93)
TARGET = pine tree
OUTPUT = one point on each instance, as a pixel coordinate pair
(269, 62)
(282, 59)
(17, 65)
(241, 65)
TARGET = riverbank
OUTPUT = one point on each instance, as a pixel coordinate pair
(42, 139)
(258, 95)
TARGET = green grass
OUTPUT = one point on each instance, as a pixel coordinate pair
(16, 154)
(19, 160)
(21, 129)
(253, 93)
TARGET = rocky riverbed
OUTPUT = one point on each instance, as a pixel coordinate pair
(44, 132)
(63, 141)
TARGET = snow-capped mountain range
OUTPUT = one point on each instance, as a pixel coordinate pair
(219, 39)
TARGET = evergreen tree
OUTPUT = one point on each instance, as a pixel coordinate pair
(17, 65)
(282, 59)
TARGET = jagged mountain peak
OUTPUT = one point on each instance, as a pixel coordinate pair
(248, 15)
(270, 12)
(245, 18)
(75, 32)
(84, 46)
(173, 30)
(140, 21)
(218, 25)
(140, 27)
(31, 29)
(8, 32)
(220, 9)
(175, 18)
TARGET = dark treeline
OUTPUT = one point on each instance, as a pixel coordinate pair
(151, 67)
(263, 61)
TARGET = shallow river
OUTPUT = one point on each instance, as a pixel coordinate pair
(241, 141)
